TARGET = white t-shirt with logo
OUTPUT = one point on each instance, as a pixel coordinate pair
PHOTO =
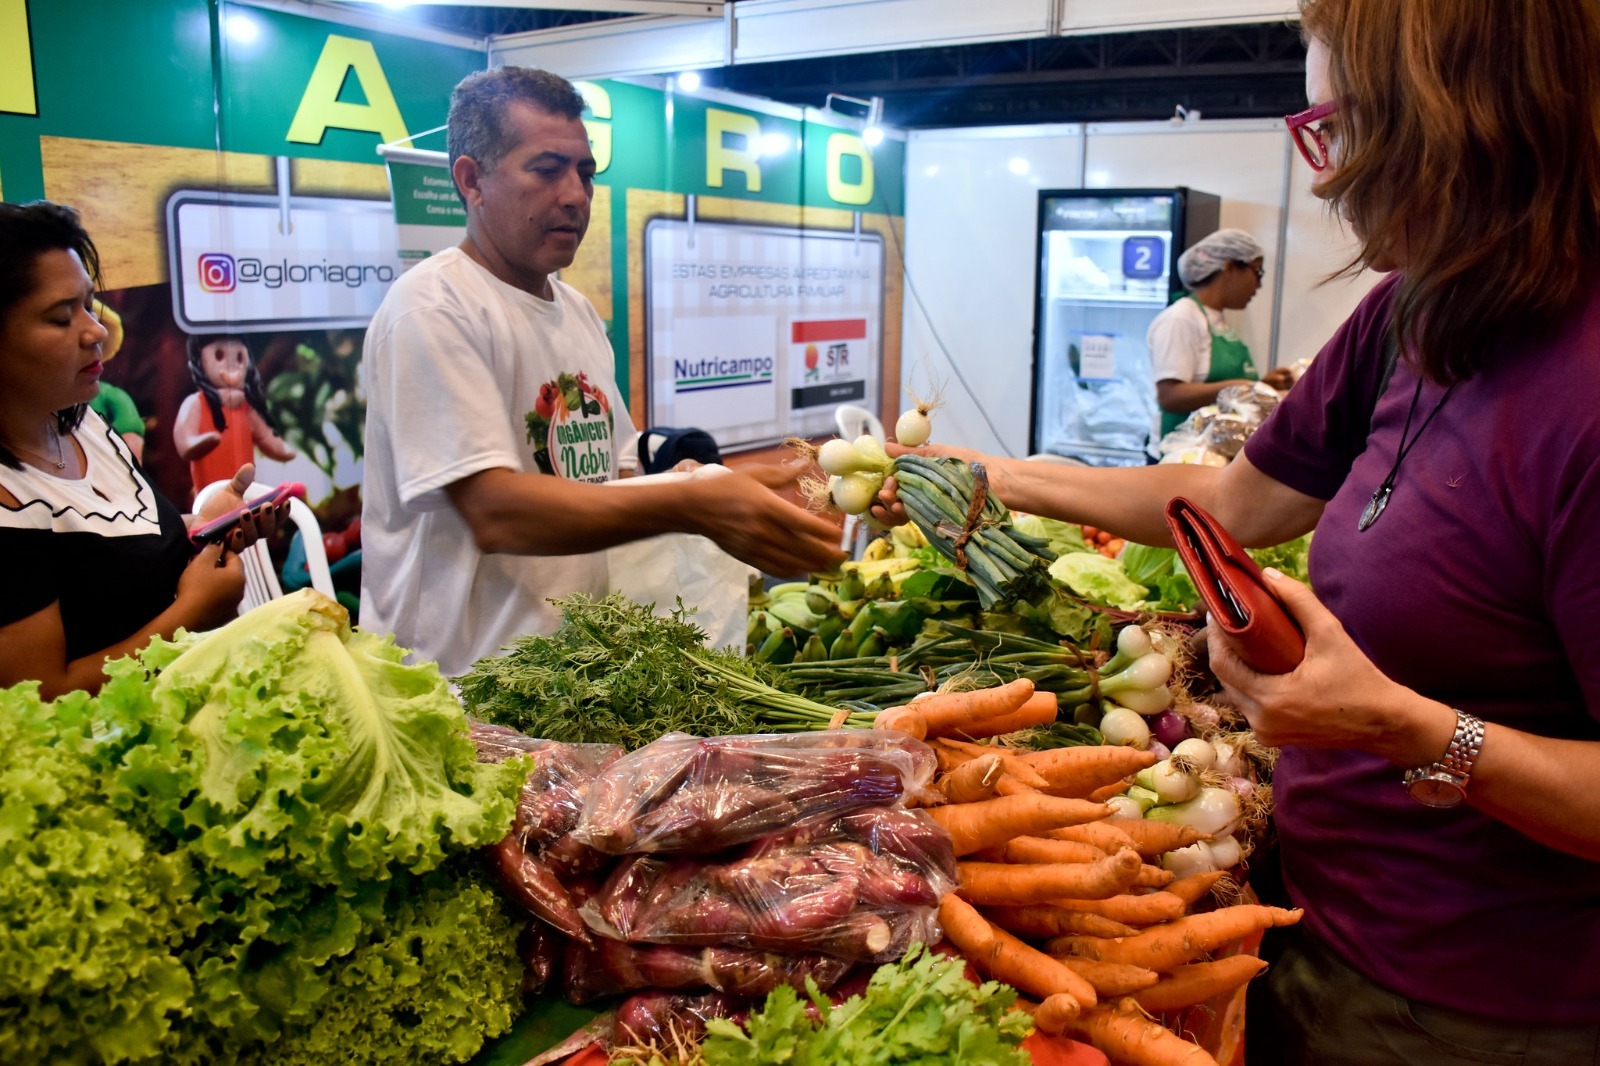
(465, 373)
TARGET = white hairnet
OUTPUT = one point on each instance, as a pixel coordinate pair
(1211, 253)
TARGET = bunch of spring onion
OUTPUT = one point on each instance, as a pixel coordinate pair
(950, 502)
(1204, 785)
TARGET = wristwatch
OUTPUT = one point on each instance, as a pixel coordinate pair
(1444, 783)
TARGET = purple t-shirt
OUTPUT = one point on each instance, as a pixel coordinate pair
(1479, 587)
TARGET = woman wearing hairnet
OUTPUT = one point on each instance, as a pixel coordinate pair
(1193, 351)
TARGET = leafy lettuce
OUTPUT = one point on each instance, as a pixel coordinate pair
(252, 839)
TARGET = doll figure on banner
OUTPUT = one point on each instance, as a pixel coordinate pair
(221, 424)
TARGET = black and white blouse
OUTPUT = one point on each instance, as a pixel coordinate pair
(106, 547)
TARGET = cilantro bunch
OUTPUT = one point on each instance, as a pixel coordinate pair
(920, 1011)
(616, 672)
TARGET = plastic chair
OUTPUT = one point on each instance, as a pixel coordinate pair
(260, 580)
(852, 422)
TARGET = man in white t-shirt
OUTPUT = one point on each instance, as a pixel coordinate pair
(493, 414)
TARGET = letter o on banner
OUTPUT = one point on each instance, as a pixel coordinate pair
(842, 146)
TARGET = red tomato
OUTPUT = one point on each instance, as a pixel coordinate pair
(333, 544)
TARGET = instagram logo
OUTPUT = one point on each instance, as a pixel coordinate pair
(216, 272)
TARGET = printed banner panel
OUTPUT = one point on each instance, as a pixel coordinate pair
(756, 333)
(247, 263)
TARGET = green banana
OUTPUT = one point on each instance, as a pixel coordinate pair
(843, 646)
(760, 627)
(872, 646)
(789, 588)
(851, 587)
(831, 625)
(778, 648)
(813, 652)
(794, 614)
(819, 599)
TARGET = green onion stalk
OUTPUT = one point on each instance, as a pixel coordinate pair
(950, 502)
(1135, 676)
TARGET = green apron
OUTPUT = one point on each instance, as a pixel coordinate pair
(1230, 360)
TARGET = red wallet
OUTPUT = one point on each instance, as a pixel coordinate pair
(1235, 591)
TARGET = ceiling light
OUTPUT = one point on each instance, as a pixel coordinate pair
(241, 28)
(689, 81)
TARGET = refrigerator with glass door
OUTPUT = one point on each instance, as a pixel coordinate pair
(1107, 265)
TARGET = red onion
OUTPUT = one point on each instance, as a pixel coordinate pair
(1169, 727)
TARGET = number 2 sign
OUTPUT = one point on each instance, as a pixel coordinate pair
(1144, 258)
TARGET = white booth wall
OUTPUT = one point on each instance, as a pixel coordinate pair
(971, 250)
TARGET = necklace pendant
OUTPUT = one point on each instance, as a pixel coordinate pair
(1380, 500)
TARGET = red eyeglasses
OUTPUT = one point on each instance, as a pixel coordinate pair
(1311, 140)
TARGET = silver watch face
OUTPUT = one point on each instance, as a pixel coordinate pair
(1436, 790)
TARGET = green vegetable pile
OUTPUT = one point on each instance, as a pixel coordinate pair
(252, 846)
(921, 1011)
(615, 672)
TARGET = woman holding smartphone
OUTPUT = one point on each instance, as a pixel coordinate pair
(98, 562)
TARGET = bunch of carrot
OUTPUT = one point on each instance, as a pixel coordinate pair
(1069, 904)
(979, 713)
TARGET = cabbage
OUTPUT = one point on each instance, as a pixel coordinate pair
(1094, 577)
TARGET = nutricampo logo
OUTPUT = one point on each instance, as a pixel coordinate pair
(217, 272)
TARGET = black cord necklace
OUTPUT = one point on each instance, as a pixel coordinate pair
(1380, 498)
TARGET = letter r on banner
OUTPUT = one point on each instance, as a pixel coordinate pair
(720, 158)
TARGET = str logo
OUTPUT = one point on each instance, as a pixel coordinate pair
(217, 272)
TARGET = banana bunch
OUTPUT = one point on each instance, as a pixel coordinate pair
(857, 613)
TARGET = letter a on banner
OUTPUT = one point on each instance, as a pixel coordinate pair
(16, 60)
(320, 107)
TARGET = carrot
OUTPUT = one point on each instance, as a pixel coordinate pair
(1154, 838)
(1003, 957)
(1112, 978)
(1078, 771)
(1007, 885)
(1011, 785)
(1016, 765)
(952, 713)
(949, 758)
(1105, 792)
(1127, 1036)
(1102, 835)
(1152, 876)
(1038, 709)
(1144, 909)
(1056, 1013)
(905, 719)
(1163, 947)
(975, 826)
(1045, 920)
(1194, 888)
(972, 781)
(1043, 849)
(1198, 982)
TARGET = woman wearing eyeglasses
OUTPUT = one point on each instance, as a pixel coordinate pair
(1433, 796)
(1194, 353)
